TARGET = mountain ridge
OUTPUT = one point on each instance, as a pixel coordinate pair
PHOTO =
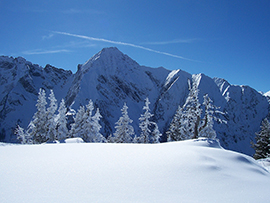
(110, 78)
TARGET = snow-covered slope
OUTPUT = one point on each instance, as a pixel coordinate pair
(20, 81)
(111, 78)
(267, 94)
(187, 171)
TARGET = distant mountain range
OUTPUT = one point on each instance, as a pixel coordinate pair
(111, 78)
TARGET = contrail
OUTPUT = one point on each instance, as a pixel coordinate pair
(176, 41)
(36, 52)
(125, 44)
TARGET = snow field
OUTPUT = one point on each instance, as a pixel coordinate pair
(187, 171)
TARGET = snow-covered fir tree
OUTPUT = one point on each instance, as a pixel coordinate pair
(192, 111)
(91, 125)
(188, 122)
(206, 128)
(96, 135)
(177, 130)
(262, 145)
(87, 125)
(51, 118)
(47, 126)
(124, 131)
(37, 128)
(149, 129)
(156, 134)
(23, 136)
(77, 126)
(62, 131)
(145, 123)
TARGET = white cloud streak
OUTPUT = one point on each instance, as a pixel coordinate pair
(123, 43)
(176, 41)
(36, 52)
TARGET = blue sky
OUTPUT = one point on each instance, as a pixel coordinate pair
(228, 39)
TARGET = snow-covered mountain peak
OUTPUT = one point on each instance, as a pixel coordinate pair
(109, 59)
(267, 94)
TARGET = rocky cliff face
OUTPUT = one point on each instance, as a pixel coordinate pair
(111, 78)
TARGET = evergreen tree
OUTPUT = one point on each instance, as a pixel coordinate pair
(262, 145)
(208, 131)
(98, 137)
(70, 114)
(149, 129)
(37, 127)
(23, 136)
(51, 118)
(77, 127)
(145, 123)
(87, 125)
(177, 130)
(206, 128)
(62, 131)
(188, 122)
(91, 125)
(124, 131)
(156, 134)
(192, 111)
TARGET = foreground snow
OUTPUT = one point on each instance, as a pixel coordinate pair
(187, 171)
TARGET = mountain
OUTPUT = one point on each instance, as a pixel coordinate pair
(111, 78)
(20, 81)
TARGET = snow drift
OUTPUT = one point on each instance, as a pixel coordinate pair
(188, 171)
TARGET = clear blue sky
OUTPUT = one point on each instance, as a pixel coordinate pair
(228, 39)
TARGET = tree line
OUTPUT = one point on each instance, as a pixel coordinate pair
(48, 124)
(192, 120)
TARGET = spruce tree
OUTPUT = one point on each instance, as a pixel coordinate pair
(62, 131)
(149, 129)
(145, 123)
(156, 134)
(23, 136)
(188, 122)
(192, 111)
(262, 145)
(91, 125)
(87, 125)
(51, 118)
(124, 131)
(37, 127)
(77, 127)
(97, 136)
(206, 128)
(177, 129)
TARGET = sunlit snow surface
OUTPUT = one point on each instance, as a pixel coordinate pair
(187, 171)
